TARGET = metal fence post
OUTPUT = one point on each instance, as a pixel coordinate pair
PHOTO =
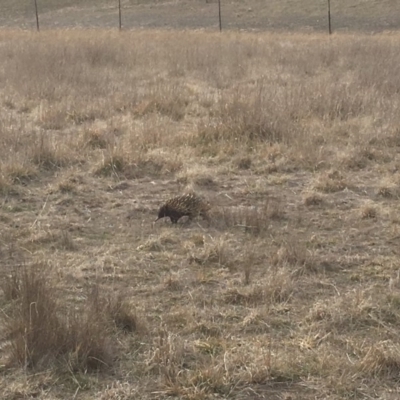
(329, 17)
(120, 14)
(37, 16)
(219, 15)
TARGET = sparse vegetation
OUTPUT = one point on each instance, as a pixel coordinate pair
(291, 290)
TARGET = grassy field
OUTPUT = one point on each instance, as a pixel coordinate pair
(353, 15)
(291, 291)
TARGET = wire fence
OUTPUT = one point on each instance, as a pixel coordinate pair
(319, 15)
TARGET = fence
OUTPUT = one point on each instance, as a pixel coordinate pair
(328, 15)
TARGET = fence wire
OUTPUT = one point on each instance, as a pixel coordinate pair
(303, 15)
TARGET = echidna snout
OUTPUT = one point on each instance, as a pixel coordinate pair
(162, 213)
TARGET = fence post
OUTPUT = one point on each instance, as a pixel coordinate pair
(37, 16)
(120, 14)
(329, 17)
(219, 15)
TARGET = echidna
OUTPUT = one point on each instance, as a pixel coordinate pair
(191, 205)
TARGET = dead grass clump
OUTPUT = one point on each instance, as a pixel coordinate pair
(4, 183)
(273, 210)
(67, 186)
(148, 167)
(250, 361)
(253, 220)
(40, 335)
(208, 329)
(330, 182)
(247, 263)
(256, 321)
(198, 239)
(47, 153)
(312, 199)
(170, 356)
(121, 163)
(88, 346)
(253, 297)
(173, 283)
(295, 255)
(11, 287)
(388, 190)
(211, 346)
(112, 164)
(166, 240)
(259, 361)
(188, 371)
(19, 171)
(173, 107)
(355, 311)
(9, 103)
(55, 239)
(382, 359)
(152, 244)
(217, 251)
(53, 118)
(119, 391)
(155, 163)
(359, 158)
(244, 163)
(78, 117)
(96, 139)
(277, 289)
(198, 176)
(368, 211)
(280, 286)
(66, 242)
(249, 116)
(208, 380)
(37, 334)
(68, 182)
(121, 312)
(20, 384)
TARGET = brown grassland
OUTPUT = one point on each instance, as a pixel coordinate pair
(291, 291)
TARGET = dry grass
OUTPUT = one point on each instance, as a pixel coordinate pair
(42, 334)
(39, 336)
(290, 291)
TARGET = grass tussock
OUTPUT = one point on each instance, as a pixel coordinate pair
(252, 220)
(112, 164)
(21, 172)
(49, 153)
(42, 334)
(381, 359)
(278, 289)
(216, 251)
(124, 315)
(311, 199)
(295, 255)
(330, 182)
